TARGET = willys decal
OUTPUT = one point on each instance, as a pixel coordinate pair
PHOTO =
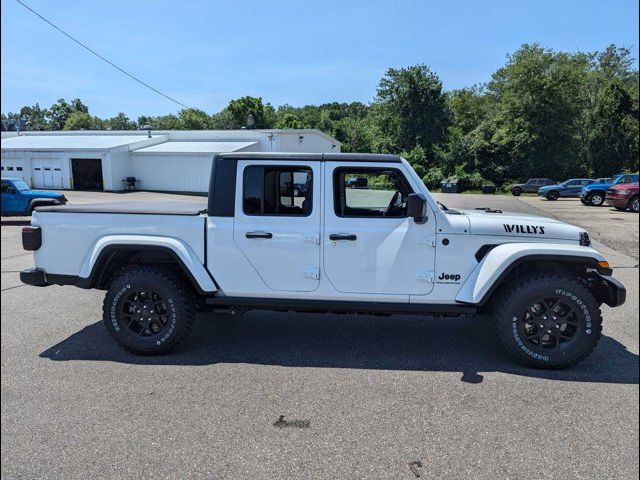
(530, 229)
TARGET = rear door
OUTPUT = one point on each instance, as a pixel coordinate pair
(277, 222)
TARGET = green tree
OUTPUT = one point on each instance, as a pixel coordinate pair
(120, 122)
(289, 120)
(193, 119)
(61, 110)
(242, 107)
(412, 108)
(79, 121)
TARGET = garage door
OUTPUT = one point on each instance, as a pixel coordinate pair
(13, 167)
(46, 173)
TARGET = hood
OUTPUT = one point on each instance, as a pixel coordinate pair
(516, 225)
(597, 186)
(42, 194)
(552, 187)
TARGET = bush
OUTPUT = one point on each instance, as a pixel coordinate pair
(433, 178)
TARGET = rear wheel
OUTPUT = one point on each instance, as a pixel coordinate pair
(548, 321)
(149, 310)
(553, 195)
(634, 205)
(596, 199)
(517, 191)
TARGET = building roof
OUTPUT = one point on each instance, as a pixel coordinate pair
(195, 147)
(69, 142)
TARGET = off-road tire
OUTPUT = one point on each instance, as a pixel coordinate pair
(634, 206)
(513, 302)
(516, 192)
(179, 306)
(553, 195)
(595, 199)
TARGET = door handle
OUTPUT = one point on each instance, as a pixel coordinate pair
(343, 236)
(258, 235)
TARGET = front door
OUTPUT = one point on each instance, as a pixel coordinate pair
(371, 246)
(277, 222)
(10, 197)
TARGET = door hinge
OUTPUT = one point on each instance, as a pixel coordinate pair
(312, 273)
(428, 277)
(429, 240)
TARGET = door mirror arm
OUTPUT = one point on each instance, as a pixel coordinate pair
(417, 207)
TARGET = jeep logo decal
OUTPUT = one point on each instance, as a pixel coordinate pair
(452, 277)
(530, 229)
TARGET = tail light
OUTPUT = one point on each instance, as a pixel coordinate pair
(31, 238)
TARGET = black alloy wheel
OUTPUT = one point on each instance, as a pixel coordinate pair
(549, 323)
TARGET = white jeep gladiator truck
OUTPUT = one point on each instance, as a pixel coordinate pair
(355, 233)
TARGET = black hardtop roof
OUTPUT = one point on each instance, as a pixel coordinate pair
(318, 157)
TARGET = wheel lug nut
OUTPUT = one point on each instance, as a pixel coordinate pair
(541, 326)
(557, 326)
(548, 331)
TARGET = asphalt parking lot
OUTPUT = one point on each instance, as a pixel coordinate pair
(275, 395)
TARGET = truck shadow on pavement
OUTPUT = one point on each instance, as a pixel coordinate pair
(465, 345)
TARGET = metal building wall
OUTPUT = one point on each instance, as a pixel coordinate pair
(171, 172)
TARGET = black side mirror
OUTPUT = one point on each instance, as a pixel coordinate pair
(417, 207)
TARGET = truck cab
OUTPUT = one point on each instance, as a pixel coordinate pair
(296, 232)
(19, 199)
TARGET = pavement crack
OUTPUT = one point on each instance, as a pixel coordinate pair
(11, 288)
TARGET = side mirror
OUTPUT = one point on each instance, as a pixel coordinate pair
(417, 207)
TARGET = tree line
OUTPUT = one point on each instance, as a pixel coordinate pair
(543, 114)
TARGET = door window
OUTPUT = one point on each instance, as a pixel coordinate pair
(7, 188)
(370, 192)
(276, 190)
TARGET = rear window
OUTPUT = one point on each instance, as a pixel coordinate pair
(277, 190)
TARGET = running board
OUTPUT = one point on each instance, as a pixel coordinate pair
(299, 305)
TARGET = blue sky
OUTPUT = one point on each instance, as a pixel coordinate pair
(205, 53)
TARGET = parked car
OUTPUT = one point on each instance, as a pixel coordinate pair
(623, 197)
(532, 186)
(357, 182)
(567, 189)
(19, 199)
(595, 194)
(539, 278)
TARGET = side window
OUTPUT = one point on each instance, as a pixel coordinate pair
(370, 192)
(277, 190)
(585, 182)
(7, 188)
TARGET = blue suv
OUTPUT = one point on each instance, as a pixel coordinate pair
(594, 194)
(569, 188)
(19, 199)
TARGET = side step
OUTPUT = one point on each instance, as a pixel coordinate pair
(299, 305)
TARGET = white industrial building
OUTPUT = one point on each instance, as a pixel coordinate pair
(162, 160)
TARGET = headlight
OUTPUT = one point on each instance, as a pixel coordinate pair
(623, 192)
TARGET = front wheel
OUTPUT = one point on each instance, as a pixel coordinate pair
(548, 321)
(596, 199)
(553, 196)
(149, 310)
(516, 192)
(634, 205)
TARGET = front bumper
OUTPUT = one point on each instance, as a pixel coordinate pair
(616, 200)
(608, 290)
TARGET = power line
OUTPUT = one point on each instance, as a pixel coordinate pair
(100, 56)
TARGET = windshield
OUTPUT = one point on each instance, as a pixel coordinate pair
(617, 179)
(20, 185)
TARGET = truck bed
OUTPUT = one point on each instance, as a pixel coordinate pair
(133, 208)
